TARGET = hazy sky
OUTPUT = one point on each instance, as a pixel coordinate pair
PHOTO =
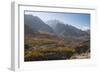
(79, 20)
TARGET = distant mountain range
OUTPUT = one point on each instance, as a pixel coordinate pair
(35, 24)
(65, 29)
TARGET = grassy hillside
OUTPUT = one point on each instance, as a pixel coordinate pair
(48, 47)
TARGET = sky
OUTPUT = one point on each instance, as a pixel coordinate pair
(79, 20)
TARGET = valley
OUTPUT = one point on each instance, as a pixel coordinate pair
(58, 41)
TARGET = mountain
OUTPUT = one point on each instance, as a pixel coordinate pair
(35, 26)
(53, 23)
(65, 29)
(73, 31)
(57, 26)
(88, 31)
(36, 23)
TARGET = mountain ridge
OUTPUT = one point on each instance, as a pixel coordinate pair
(53, 26)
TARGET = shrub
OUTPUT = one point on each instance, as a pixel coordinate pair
(49, 54)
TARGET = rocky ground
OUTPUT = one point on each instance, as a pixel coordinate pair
(81, 56)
